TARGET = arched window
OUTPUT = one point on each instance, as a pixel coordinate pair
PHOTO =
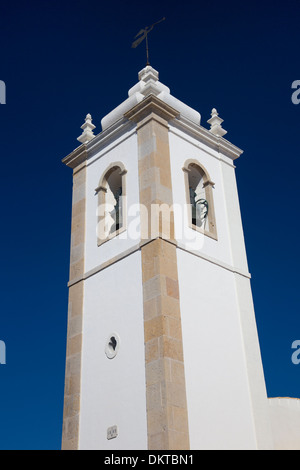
(111, 203)
(201, 215)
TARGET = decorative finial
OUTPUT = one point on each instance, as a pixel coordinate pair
(88, 128)
(216, 124)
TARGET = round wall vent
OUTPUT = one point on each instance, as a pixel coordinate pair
(112, 345)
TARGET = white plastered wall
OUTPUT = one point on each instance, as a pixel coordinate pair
(113, 390)
(122, 150)
(285, 421)
(226, 394)
(218, 396)
(182, 150)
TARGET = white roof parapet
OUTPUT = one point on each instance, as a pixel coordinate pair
(216, 124)
(112, 117)
(88, 128)
(149, 84)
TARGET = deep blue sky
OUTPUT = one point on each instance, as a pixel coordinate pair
(63, 59)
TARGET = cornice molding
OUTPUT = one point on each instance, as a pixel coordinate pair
(101, 140)
(137, 247)
(203, 135)
(75, 158)
(151, 105)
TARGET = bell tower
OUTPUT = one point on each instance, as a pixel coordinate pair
(162, 347)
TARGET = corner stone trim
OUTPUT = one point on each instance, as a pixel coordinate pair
(70, 435)
(167, 418)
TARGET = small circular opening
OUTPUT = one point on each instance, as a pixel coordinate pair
(112, 346)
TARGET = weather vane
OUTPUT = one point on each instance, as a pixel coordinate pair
(143, 33)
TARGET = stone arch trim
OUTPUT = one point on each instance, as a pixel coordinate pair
(101, 192)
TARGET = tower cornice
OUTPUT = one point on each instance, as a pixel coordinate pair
(101, 140)
(78, 156)
(151, 106)
(204, 135)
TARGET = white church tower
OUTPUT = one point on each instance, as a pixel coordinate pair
(162, 347)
